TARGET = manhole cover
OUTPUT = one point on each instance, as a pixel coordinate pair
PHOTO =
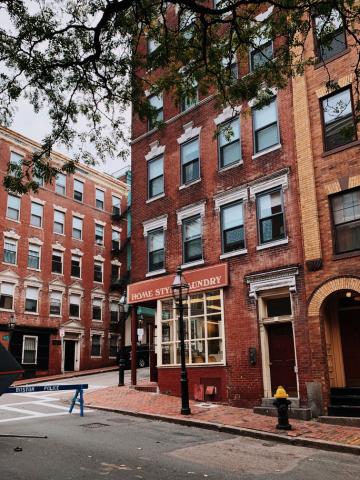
(95, 425)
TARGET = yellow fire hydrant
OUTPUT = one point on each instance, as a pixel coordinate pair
(282, 404)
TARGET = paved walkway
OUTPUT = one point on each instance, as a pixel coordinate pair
(62, 376)
(236, 420)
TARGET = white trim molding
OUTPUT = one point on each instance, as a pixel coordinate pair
(190, 211)
(279, 179)
(158, 222)
(284, 277)
(116, 262)
(99, 222)
(76, 251)
(77, 214)
(12, 234)
(233, 195)
(155, 150)
(58, 246)
(254, 101)
(35, 241)
(189, 133)
(38, 200)
(99, 258)
(228, 113)
(60, 209)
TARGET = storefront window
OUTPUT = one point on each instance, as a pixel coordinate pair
(203, 326)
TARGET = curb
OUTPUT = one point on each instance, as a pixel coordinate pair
(243, 432)
(52, 378)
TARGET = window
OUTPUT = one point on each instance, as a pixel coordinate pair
(270, 216)
(16, 158)
(115, 240)
(152, 46)
(265, 122)
(96, 309)
(187, 24)
(113, 346)
(98, 271)
(55, 303)
(156, 250)
(31, 299)
(115, 272)
(189, 100)
(76, 266)
(59, 222)
(36, 217)
(230, 64)
(232, 227)
(114, 312)
(330, 35)
(10, 250)
(29, 350)
(262, 53)
(156, 177)
(278, 307)
(346, 219)
(339, 126)
(192, 239)
(99, 234)
(6, 295)
(60, 183)
(74, 305)
(229, 143)
(34, 256)
(100, 199)
(78, 190)
(203, 322)
(156, 102)
(38, 179)
(190, 162)
(77, 228)
(96, 345)
(56, 261)
(13, 208)
(116, 210)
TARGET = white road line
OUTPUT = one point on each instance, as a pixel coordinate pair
(29, 403)
(31, 417)
(51, 405)
(20, 410)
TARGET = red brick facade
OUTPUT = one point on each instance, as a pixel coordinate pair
(63, 342)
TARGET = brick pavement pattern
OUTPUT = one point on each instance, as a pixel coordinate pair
(127, 399)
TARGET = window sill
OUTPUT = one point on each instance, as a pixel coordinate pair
(52, 315)
(322, 63)
(155, 272)
(77, 239)
(340, 149)
(31, 313)
(76, 319)
(10, 264)
(96, 356)
(57, 273)
(150, 200)
(34, 269)
(186, 185)
(35, 226)
(75, 278)
(195, 365)
(192, 264)
(99, 245)
(96, 321)
(268, 150)
(233, 254)
(341, 256)
(6, 310)
(276, 243)
(12, 220)
(229, 167)
(61, 234)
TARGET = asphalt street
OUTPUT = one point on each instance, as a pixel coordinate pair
(103, 444)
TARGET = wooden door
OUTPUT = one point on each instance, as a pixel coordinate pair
(69, 356)
(350, 339)
(282, 358)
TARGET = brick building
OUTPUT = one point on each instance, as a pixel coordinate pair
(327, 151)
(60, 265)
(226, 210)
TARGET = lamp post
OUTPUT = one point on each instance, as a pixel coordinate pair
(123, 310)
(11, 327)
(180, 290)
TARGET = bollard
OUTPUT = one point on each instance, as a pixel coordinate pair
(282, 404)
(122, 362)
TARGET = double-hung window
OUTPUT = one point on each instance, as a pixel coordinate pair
(59, 222)
(330, 35)
(57, 261)
(34, 256)
(192, 239)
(114, 312)
(95, 345)
(55, 302)
(13, 208)
(115, 240)
(116, 204)
(76, 266)
(261, 53)
(78, 190)
(115, 272)
(113, 344)
(77, 228)
(31, 299)
(98, 271)
(100, 198)
(74, 305)
(36, 217)
(189, 100)
(60, 183)
(6, 295)
(99, 234)
(156, 250)
(152, 46)
(156, 102)
(232, 227)
(29, 350)
(16, 158)
(338, 119)
(97, 309)
(156, 177)
(10, 251)
(190, 161)
(346, 219)
(229, 143)
(266, 128)
(271, 223)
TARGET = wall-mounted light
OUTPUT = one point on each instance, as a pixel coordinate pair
(348, 294)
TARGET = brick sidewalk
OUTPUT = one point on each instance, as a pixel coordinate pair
(165, 407)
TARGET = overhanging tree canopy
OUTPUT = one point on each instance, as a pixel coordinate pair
(90, 59)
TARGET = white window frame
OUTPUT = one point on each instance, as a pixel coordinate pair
(23, 349)
(61, 303)
(39, 205)
(114, 302)
(60, 185)
(76, 180)
(12, 309)
(97, 224)
(100, 199)
(28, 312)
(117, 344)
(60, 254)
(18, 161)
(101, 335)
(62, 223)
(76, 218)
(13, 242)
(115, 204)
(97, 301)
(79, 257)
(31, 246)
(16, 209)
(275, 146)
(79, 296)
(99, 262)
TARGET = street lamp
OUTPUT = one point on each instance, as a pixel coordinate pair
(11, 326)
(180, 290)
(123, 309)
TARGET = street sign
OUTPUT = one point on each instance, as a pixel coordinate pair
(10, 369)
